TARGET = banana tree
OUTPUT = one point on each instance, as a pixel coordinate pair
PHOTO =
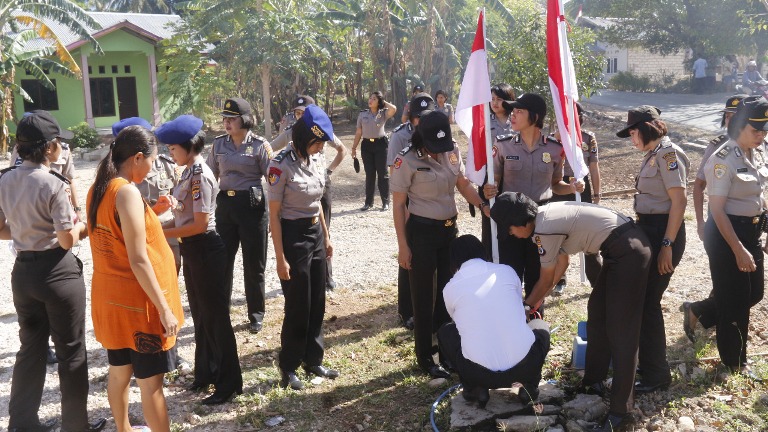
(25, 20)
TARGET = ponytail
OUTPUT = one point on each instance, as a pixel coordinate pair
(129, 141)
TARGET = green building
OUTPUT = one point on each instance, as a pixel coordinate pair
(121, 83)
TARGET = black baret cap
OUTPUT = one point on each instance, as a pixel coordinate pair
(40, 126)
(528, 101)
(635, 116)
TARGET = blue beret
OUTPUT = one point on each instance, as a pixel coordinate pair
(130, 121)
(318, 122)
(179, 130)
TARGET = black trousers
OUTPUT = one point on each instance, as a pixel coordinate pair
(734, 292)
(49, 296)
(430, 272)
(302, 335)
(374, 154)
(592, 263)
(527, 372)
(523, 256)
(653, 337)
(615, 313)
(216, 360)
(404, 301)
(240, 224)
(327, 202)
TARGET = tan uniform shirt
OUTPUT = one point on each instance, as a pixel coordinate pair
(730, 173)
(297, 185)
(239, 168)
(284, 139)
(447, 109)
(196, 193)
(589, 152)
(663, 168)
(499, 128)
(570, 227)
(429, 183)
(35, 203)
(372, 124)
(63, 165)
(528, 171)
(713, 145)
(400, 139)
(160, 180)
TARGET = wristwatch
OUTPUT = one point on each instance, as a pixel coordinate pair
(665, 242)
(527, 307)
(329, 171)
(77, 209)
(483, 205)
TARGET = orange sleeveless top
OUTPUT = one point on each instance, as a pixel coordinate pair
(123, 315)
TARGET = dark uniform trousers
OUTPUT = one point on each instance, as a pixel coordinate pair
(216, 360)
(327, 202)
(527, 371)
(592, 264)
(615, 312)
(302, 334)
(523, 256)
(49, 296)
(374, 154)
(430, 272)
(734, 291)
(404, 302)
(653, 338)
(238, 223)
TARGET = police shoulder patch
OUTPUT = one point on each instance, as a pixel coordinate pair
(671, 159)
(60, 177)
(552, 140)
(540, 248)
(197, 169)
(255, 137)
(504, 137)
(221, 136)
(723, 152)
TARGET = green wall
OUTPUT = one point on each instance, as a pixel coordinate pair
(121, 48)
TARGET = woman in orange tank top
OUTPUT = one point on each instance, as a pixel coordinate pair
(135, 300)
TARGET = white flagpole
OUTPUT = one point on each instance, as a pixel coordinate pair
(489, 157)
(569, 106)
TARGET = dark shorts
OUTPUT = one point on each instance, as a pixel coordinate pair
(144, 365)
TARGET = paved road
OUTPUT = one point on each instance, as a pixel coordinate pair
(701, 111)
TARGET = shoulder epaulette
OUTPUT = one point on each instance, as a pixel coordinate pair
(166, 158)
(493, 116)
(723, 152)
(590, 133)
(220, 136)
(258, 137)
(60, 177)
(405, 151)
(402, 125)
(553, 140)
(283, 153)
(197, 169)
(505, 137)
(719, 140)
(363, 110)
(10, 168)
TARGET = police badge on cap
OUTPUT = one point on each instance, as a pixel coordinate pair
(421, 103)
(318, 122)
(435, 131)
(236, 107)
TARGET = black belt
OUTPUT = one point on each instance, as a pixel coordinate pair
(374, 139)
(543, 202)
(40, 254)
(651, 219)
(746, 220)
(304, 222)
(196, 237)
(231, 193)
(436, 222)
(616, 233)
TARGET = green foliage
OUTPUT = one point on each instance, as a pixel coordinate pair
(521, 60)
(85, 136)
(628, 81)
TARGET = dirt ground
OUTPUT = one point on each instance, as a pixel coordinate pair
(380, 388)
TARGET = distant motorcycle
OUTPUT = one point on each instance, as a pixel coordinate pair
(761, 89)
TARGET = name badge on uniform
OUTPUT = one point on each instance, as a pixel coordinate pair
(512, 158)
(249, 150)
(742, 170)
(423, 169)
(546, 157)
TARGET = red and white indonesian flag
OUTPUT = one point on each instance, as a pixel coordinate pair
(562, 82)
(474, 96)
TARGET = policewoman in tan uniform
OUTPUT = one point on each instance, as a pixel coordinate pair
(736, 177)
(205, 261)
(372, 139)
(302, 244)
(700, 183)
(531, 163)
(47, 279)
(614, 310)
(239, 159)
(399, 140)
(660, 204)
(427, 173)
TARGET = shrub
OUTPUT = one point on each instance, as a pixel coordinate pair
(628, 81)
(85, 136)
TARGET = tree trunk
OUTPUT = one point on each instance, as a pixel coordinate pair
(6, 111)
(267, 98)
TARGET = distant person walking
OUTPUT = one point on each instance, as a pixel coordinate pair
(699, 75)
(372, 139)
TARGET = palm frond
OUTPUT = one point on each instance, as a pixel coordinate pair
(45, 32)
